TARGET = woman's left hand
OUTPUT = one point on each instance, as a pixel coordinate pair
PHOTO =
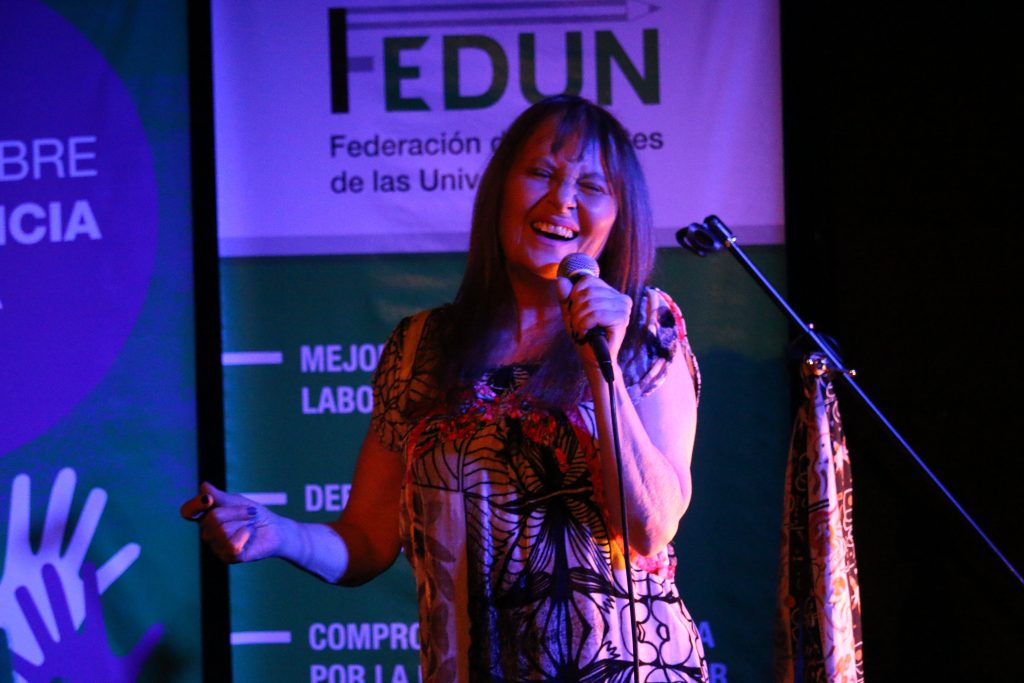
(591, 303)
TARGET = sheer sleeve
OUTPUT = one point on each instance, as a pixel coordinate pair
(396, 382)
(664, 342)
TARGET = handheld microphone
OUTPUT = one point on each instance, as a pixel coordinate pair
(574, 267)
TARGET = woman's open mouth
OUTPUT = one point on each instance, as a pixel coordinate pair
(552, 231)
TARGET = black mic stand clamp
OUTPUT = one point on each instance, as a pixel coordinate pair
(711, 236)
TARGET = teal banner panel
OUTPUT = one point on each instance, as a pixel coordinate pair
(99, 578)
(301, 338)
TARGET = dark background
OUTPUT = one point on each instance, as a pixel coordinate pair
(902, 198)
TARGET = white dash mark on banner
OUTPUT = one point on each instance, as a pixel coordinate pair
(261, 637)
(252, 358)
(268, 498)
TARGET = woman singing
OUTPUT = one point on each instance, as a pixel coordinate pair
(489, 455)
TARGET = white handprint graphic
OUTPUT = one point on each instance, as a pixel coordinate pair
(23, 566)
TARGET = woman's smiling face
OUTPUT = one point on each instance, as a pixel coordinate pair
(555, 204)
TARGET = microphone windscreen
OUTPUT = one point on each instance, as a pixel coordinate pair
(575, 266)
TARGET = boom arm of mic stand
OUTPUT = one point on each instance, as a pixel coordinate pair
(725, 237)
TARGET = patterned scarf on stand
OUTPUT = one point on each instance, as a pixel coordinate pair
(818, 620)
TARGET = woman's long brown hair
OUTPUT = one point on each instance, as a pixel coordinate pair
(484, 304)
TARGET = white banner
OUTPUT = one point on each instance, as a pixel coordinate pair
(364, 127)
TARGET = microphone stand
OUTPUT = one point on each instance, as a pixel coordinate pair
(710, 236)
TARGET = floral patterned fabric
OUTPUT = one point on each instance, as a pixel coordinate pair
(517, 574)
(819, 612)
